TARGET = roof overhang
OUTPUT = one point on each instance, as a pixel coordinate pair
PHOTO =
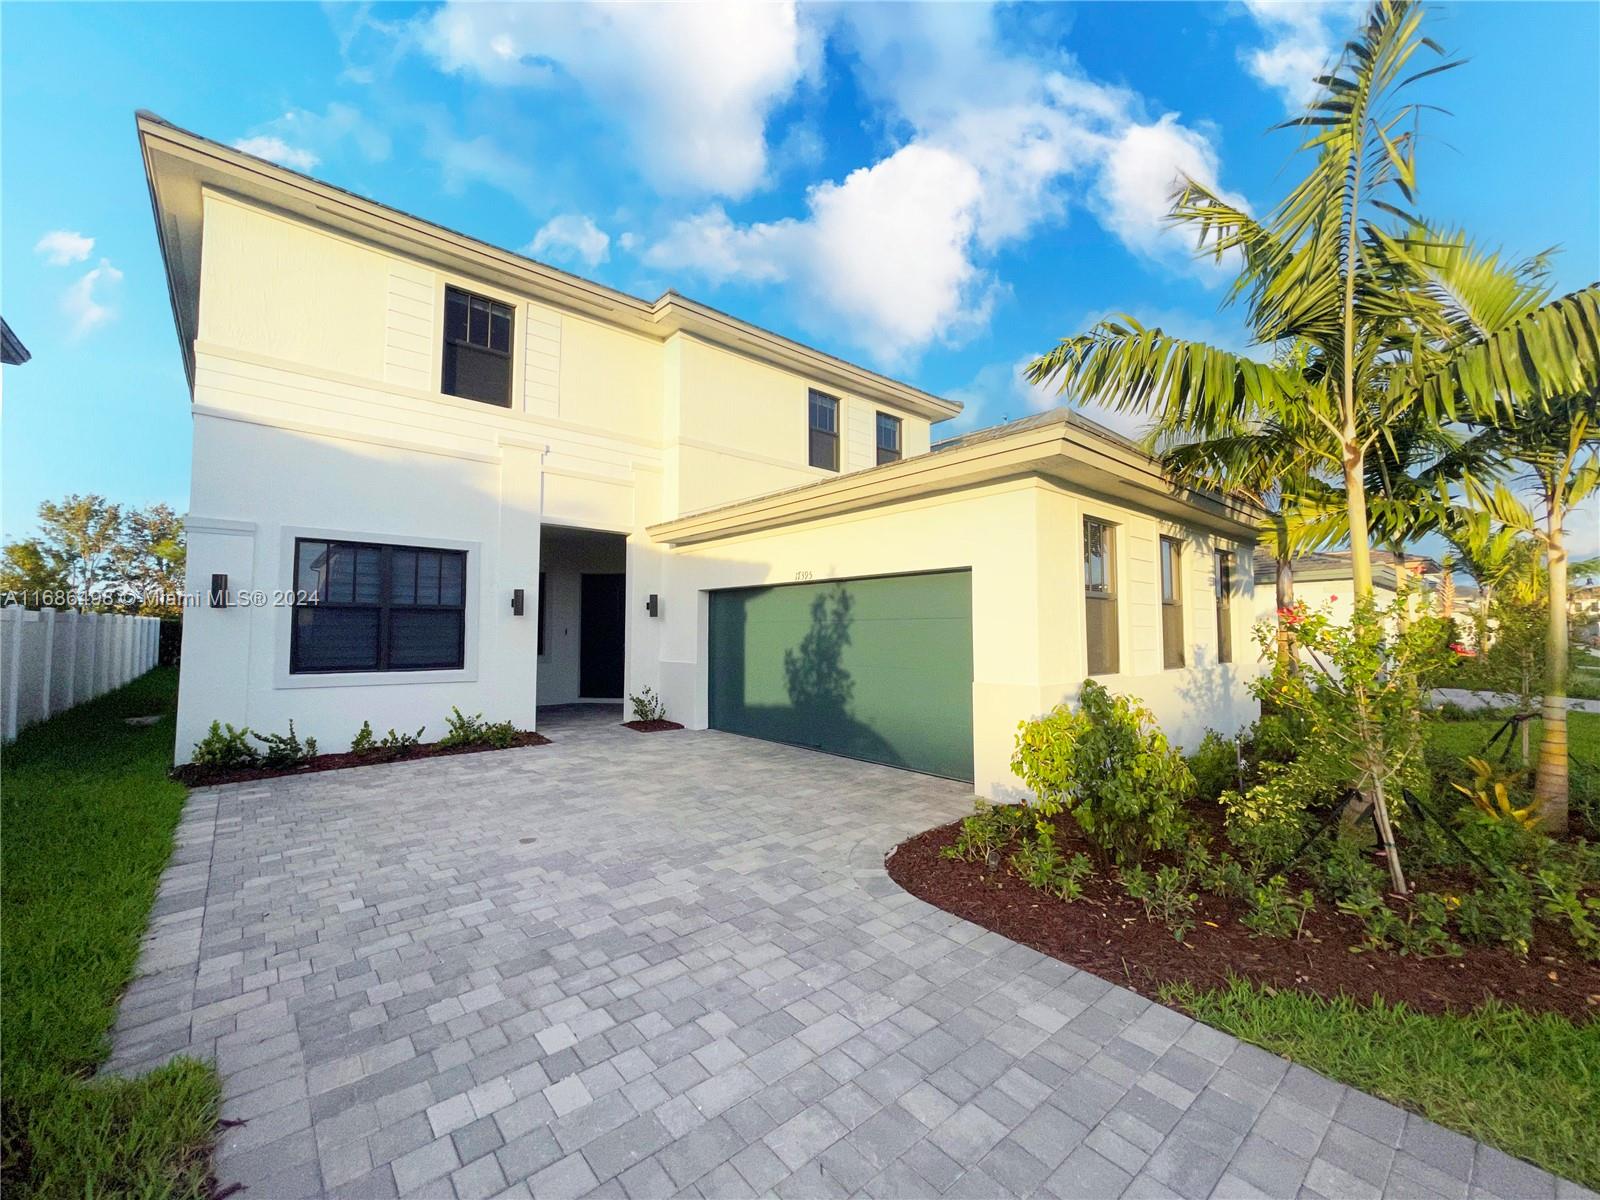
(180, 166)
(1063, 451)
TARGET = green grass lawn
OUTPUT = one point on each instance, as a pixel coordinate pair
(88, 817)
(1529, 1085)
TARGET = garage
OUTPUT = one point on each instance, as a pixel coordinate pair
(875, 668)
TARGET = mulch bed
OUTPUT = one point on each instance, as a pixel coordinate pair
(651, 726)
(195, 776)
(1108, 934)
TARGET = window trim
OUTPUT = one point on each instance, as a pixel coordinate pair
(1108, 596)
(898, 450)
(282, 625)
(1172, 655)
(812, 432)
(443, 339)
(385, 607)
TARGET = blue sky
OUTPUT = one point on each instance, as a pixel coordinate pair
(938, 192)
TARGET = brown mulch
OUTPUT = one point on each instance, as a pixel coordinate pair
(651, 726)
(195, 776)
(1108, 934)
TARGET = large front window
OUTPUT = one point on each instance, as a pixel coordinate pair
(366, 607)
(477, 348)
(1100, 597)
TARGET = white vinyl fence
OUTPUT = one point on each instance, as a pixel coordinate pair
(51, 660)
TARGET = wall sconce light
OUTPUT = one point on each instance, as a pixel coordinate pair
(516, 602)
(652, 605)
(219, 591)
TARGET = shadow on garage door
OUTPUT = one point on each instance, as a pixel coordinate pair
(877, 668)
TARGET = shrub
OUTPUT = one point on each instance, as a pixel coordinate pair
(475, 731)
(1561, 902)
(1165, 896)
(395, 745)
(364, 742)
(1275, 911)
(1498, 913)
(286, 750)
(1490, 793)
(1040, 865)
(1451, 711)
(224, 748)
(987, 832)
(1111, 768)
(647, 706)
(1214, 765)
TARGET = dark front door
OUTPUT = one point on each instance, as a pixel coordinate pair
(600, 633)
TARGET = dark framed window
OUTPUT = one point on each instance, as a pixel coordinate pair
(824, 421)
(1100, 596)
(477, 348)
(888, 438)
(361, 606)
(1224, 606)
(1171, 603)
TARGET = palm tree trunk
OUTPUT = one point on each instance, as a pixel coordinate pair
(1355, 488)
(1550, 784)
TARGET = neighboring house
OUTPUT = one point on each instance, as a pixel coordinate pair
(1583, 607)
(12, 351)
(1325, 582)
(429, 472)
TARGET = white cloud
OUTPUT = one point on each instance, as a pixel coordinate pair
(883, 254)
(991, 145)
(85, 303)
(300, 139)
(1302, 40)
(999, 392)
(571, 237)
(62, 247)
(692, 85)
(1133, 194)
(275, 149)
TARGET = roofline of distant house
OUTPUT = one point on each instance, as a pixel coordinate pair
(1069, 448)
(267, 182)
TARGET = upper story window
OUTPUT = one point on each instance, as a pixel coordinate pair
(824, 450)
(1100, 596)
(1171, 603)
(888, 438)
(477, 348)
(365, 607)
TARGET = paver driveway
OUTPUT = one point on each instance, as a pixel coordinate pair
(652, 965)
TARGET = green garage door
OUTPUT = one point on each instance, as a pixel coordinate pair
(879, 669)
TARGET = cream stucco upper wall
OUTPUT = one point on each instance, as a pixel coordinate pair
(352, 337)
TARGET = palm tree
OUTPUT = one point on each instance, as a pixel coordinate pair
(1320, 273)
(1554, 451)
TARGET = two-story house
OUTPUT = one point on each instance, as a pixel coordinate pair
(430, 472)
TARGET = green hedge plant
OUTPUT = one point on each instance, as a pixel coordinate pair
(1108, 766)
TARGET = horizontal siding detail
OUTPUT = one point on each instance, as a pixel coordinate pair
(408, 327)
(860, 436)
(541, 363)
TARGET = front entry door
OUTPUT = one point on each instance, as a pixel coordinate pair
(601, 620)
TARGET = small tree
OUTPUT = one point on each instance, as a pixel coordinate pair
(1356, 693)
(30, 575)
(149, 559)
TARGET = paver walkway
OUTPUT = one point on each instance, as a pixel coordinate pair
(672, 964)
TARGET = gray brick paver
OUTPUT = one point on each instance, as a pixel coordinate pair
(405, 997)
